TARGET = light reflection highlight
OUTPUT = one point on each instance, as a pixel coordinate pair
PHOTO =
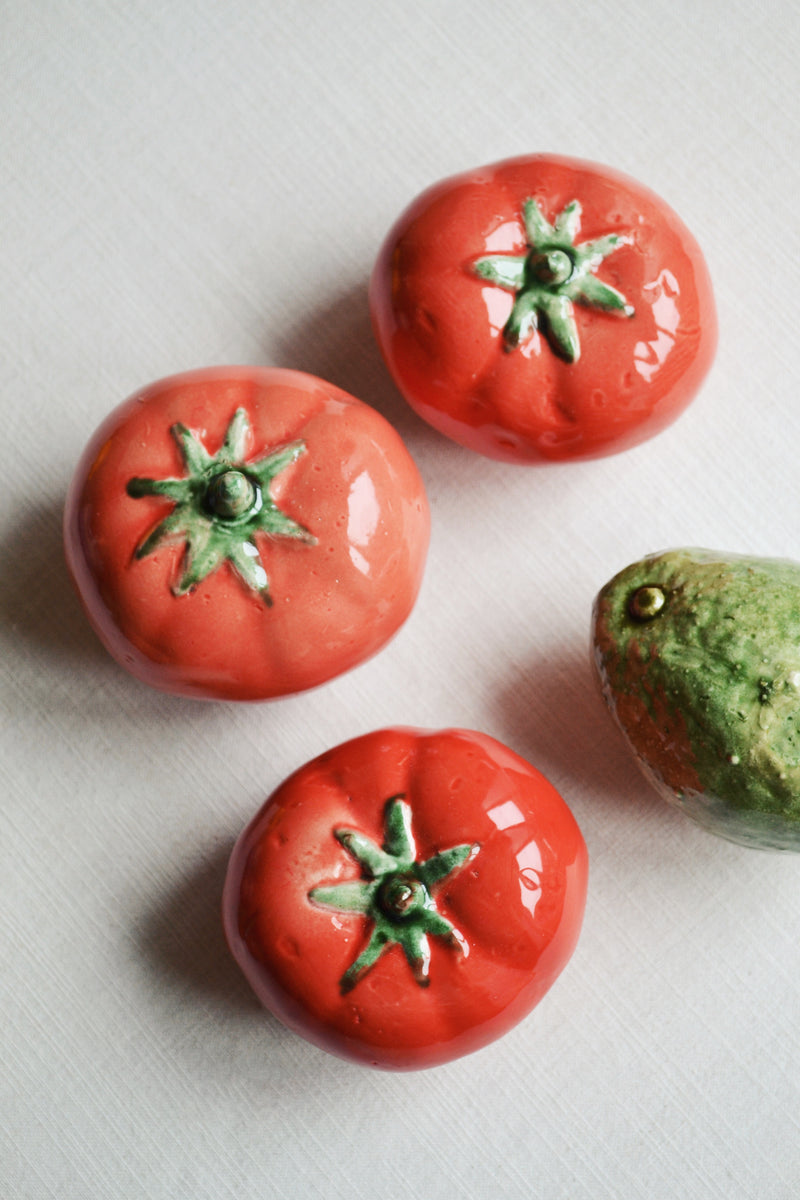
(650, 356)
(505, 816)
(529, 861)
(362, 510)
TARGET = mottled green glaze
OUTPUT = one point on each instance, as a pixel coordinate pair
(219, 505)
(395, 893)
(705, 683)
(555, 272)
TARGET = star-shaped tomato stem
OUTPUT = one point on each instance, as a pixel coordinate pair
(395, 893)
(219, 506)
(553, 274)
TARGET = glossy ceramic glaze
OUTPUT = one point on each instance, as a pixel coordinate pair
(698, 657)
(407, 897)
(544, 308)
(244, 533)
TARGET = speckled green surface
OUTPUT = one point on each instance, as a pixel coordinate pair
(707, 690)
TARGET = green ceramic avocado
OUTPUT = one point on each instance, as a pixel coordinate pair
(698, 656)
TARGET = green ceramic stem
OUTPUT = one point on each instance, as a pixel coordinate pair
(551, 269)
(555, 273)
(231, 495)
(401, 896)
(220, 504)
(395, 893)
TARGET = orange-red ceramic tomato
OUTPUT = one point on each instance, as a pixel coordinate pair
(407, 897)
(244, 533)
(544, 308)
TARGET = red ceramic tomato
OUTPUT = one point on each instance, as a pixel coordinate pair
(407, 897)
(244, 533)
(544, 308)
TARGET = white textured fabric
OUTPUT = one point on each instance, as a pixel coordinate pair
(187, 184)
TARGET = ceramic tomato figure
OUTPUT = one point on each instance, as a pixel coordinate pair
(544, 308)
(407, 897)
(244, 533)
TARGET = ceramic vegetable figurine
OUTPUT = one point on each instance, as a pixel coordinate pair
(544, 308)
(698, 655)
(407, 897)
(243, 533)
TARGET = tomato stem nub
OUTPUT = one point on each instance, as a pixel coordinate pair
(552, 275)
(231, 495)
(395, 893)
(219, 505)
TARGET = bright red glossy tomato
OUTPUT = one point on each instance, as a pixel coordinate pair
(544, 308)
(244, 533)
(407, 897)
